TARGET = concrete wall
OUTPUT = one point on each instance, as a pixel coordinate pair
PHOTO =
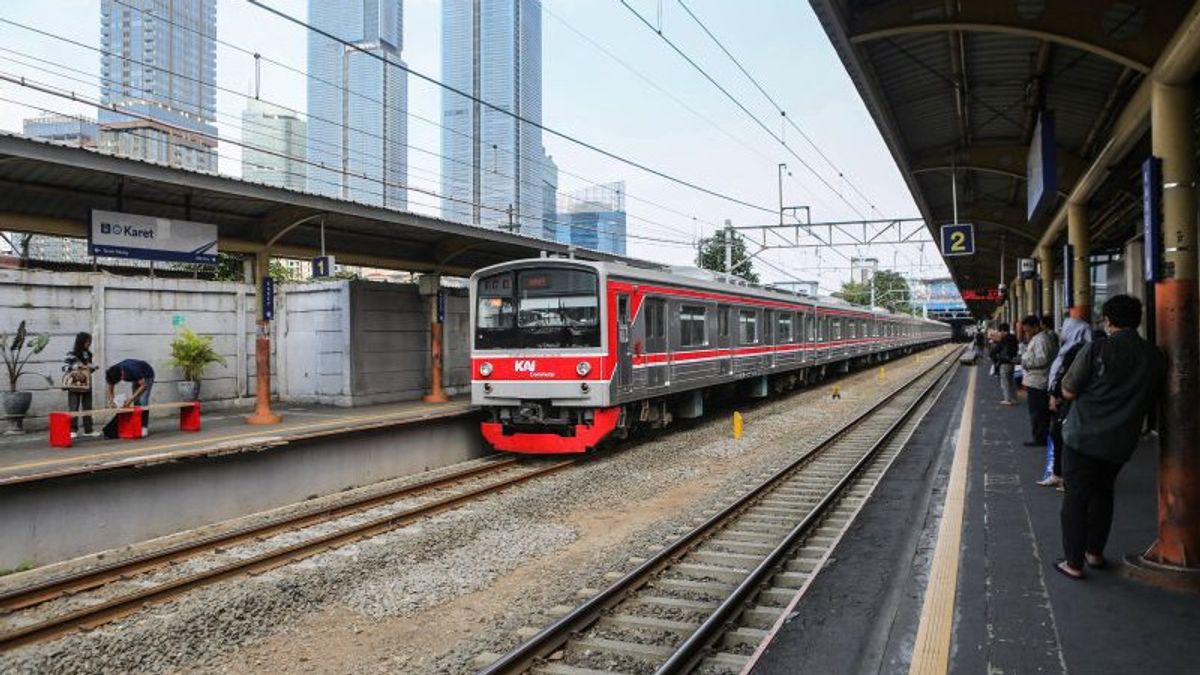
(338, 342)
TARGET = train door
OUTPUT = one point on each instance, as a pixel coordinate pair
(724, 342)
(657, 361)
(624, 354)
(768, 337)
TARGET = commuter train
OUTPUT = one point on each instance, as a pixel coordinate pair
(567, 353)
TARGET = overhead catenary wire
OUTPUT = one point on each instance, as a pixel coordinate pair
(520, 118)
(256, 148)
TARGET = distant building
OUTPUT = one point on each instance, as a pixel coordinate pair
(492, 50)
(550, 224)
(362, 91)
(158, 69)
(273, 150)
(939, 299)
(595, 217)
(78, 131)
(862, 270)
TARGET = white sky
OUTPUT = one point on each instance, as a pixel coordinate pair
(585, 94)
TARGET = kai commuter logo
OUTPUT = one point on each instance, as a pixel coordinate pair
(525, 366)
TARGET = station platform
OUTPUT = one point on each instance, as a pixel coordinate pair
(30, 457)
(1002, 606)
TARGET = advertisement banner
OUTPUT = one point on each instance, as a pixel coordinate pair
(126, 235)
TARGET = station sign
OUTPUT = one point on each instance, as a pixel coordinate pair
(1068, 284)
(958, 239)
(268, 299)
(1041, 168)
(1152, 187)
(127, 235)
(323, 266)
(1026, 268)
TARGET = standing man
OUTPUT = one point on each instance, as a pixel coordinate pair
(1039, 353)
(1112, 383)
(1004, 355)
(141, 378)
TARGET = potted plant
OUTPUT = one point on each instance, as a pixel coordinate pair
(191, 354)
(17, 350)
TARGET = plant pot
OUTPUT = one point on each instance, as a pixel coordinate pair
(15, 404)
(189, 390)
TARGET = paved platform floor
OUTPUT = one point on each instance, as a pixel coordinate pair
(30, 457)
(1013, 613)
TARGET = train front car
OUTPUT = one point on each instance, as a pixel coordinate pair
(539, 368)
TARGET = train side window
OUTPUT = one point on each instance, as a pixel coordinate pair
(784, 332)
(723, 321)
(812, 328)
(837, 329)
(691, 326)
(656, 324)
(748, 327)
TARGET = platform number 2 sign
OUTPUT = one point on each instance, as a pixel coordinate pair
(958, 239)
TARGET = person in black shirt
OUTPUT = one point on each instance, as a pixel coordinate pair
(1004, 355)
(1111, 384)
(141, 378)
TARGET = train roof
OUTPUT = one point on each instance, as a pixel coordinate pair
(688, 277)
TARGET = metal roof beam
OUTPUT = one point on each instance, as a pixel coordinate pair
(1007, 160)
(1132, 33)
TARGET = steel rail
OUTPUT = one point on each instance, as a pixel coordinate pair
(101, 613)
(524, 656)
(689, 653)
(24, 597)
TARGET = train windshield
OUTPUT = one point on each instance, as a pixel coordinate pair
(550, 308)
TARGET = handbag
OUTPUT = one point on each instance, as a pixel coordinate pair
(77, 380)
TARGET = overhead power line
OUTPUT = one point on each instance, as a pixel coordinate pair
(520, 118)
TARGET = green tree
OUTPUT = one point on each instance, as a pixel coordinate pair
(891, 291)
(712, 255)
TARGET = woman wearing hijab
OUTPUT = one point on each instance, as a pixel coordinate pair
(1074, 334)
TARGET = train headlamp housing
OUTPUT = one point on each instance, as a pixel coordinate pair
(583, 368)
(485, 369)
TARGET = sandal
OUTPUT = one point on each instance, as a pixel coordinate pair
(1096, 562)
(1064, 569)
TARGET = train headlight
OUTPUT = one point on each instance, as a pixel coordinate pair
(485, 369)
(583, 368)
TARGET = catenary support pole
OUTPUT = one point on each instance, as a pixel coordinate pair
(1081, 275)
(262, 346)
(1173, 140)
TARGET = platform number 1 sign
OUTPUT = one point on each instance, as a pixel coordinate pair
(958, 239)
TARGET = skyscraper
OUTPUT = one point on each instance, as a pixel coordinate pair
(274, 145)
(358, 102)
(69, 129)
(159, 64)
(595, 216)
(549, 198)
(492, 163)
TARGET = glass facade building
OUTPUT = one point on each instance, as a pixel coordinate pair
(77, 131)
(273, 146)
(594, 218)
(494, 167)
(159, 64)
(357, 102)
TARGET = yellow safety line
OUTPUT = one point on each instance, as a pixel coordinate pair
(261, 431)
(931, 652)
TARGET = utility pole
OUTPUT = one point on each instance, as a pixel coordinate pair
(782, 168)
(728, 246)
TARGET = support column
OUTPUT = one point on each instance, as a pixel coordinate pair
(1018, 291)
(1046, 273)
(1031, 296)
(262, 346)
(1081, 275)
(1172, 140)
(437, 302)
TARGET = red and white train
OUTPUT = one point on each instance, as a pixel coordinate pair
(568, 352)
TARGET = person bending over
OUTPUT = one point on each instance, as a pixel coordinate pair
(141, 378)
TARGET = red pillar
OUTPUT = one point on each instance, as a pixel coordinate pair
(262, 348)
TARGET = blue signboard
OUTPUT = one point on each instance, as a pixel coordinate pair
(322, 266)
(958, 239)
(268, 299)
(1152, 187)
(128, 235)
(1041, 168)
(441, 306)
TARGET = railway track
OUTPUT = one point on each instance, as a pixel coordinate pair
(707, 600)
(98, 595)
